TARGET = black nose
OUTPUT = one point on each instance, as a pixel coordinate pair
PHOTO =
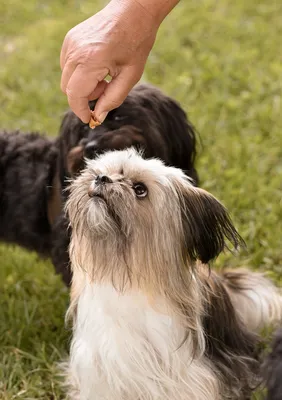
(91, 148)
(103, 179)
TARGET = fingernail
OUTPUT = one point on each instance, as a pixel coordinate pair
(101, 118)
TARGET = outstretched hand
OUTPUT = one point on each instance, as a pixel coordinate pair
(116, 41)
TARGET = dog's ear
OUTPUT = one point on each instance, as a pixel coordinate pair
(71, 132)
(177, 131)
(75, 161)
(207, 227)
(181, 136)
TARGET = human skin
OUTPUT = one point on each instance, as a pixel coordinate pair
(116, 41)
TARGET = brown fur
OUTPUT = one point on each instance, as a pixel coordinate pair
(147, 120)
(158, 244)
(35, 170)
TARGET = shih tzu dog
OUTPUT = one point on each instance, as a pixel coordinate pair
(148, 120)
(272, 368)
(150, 320)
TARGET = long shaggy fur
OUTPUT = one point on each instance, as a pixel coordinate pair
(150, 321)
(256, 298)
(148, 120)
(27, 171)
(35, 170)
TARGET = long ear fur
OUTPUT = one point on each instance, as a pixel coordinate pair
(178, 132)
(71, 131)
(206, 225)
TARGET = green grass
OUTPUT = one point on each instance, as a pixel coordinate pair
(222, 60)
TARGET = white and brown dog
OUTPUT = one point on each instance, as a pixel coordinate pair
(150, 321)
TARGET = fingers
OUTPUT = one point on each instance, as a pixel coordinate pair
(116, 91)
(80, 85)
(100, 88)
(68, 70)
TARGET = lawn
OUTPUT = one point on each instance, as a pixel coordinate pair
(222, 60)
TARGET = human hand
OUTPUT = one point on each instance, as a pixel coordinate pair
(116, 42)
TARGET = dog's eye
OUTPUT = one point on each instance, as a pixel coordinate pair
(140, 189)
(119, 117)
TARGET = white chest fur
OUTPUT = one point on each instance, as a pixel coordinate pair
(123, 349)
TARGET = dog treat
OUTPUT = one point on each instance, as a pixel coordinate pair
(93, 121)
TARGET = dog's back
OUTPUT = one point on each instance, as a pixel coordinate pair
(27, 165)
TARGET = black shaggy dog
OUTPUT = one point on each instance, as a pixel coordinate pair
(147, 119)
(34, 170)
(272, 369)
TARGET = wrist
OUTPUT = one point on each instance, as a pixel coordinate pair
(154, 10)
(158, 9)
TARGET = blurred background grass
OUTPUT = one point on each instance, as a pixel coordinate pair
(222, 60)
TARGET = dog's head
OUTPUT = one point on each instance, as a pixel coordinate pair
(147, 120)
(150, 215)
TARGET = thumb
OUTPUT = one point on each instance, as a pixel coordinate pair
(116, 92)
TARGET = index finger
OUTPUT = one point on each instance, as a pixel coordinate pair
(80, 86)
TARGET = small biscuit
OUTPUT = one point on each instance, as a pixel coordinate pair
(93, 121)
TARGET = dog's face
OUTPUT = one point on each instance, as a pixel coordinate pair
(147, 120)
(146, 212)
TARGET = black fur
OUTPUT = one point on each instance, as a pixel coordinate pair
(27, 167)
(272, 369)
(60, 243)
(206, 225)
(230, 346)
(147, 119)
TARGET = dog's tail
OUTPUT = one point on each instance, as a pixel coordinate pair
(272, 369)
(256, 299)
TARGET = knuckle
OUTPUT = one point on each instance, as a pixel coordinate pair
(70, 34)
(87, 53)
